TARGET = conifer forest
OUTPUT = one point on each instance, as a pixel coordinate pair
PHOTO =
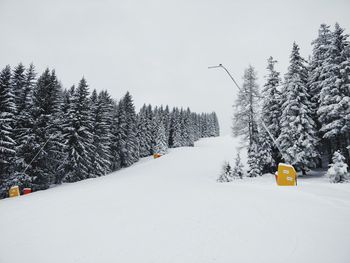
(50, 134)
(307, 111)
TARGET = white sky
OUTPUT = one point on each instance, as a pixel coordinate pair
(159, 50)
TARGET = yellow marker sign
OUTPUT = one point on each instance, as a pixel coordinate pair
(14, 191)
(286, 175)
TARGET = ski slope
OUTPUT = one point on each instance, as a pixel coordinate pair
(172, 210)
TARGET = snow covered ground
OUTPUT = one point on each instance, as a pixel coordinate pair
(172, 210)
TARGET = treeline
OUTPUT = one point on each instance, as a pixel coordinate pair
(50, 135)
(308, 112)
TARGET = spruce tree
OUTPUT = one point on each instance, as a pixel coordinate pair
(337, 171)
(18, 86)
(298, 138)
(115, 143)
(144, 129)
(7, 143)
(78, 137)
(317, 63)
(226, 173)
(334, 99)
(237, 171)
(187, 129)
(161, 145)
(271, 111)
(216, 124)
(196, 126)
(127, 132)
(175, 129)
(254, 168)
(101, 110)
(204, 125)
(265, 151)
(47, 138)
(25, 140)
(166, 121)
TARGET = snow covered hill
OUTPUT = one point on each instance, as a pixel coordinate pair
(172, 210)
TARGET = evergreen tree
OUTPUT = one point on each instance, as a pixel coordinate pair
(254, 168)
(317, 62)
(161, 145)
(115, 143)
(319, 54)
(175, 129)
(18, 86)
(216, 125)
(78, 137)
(24, 126)
(226, 173)
(271, 112)
(237, 171)
(187, 129)
(298, 135)
(144, 128)
(7, 143)
(166, 121)
(265, 151)
(127, 132)
(196, 126)
(337, 171)
(204, 125)
(334, 99)
(101, 109)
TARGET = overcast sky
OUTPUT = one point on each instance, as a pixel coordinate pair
(159, 50)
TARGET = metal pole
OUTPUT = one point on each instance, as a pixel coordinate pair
(262, 122)
(221, 66)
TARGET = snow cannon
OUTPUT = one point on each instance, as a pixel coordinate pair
(14, 191)
(156, 155)
(286, 175)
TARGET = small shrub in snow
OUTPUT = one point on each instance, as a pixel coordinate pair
(237, 171)
(226, 173)
(337, 171)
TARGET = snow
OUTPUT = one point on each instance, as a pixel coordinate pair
(171, 209)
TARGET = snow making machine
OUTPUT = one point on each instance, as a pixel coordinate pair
(286, 174)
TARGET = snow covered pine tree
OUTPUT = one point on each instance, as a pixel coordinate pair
(7, 143)
(337, 171)
(270, 115)
(78, 137)
(334, 99)
(237, 171)
(298, 138)
(161, 144)
(226, 173)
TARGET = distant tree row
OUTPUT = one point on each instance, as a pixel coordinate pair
(50, 135)
(308, 113)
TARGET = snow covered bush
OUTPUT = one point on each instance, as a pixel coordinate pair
(337, 171)
(226, 173)
(237, 171)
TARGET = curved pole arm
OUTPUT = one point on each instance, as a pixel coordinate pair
(262, 121)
